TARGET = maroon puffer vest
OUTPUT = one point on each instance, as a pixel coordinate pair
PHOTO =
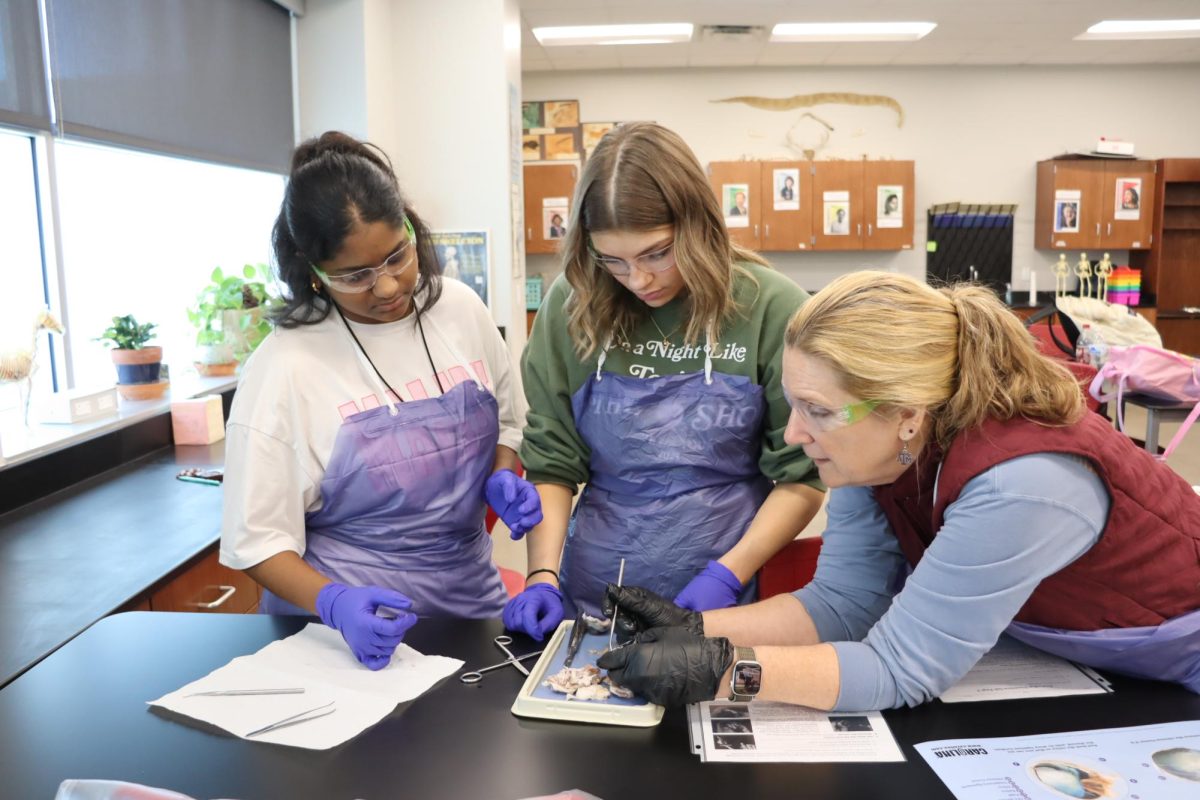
(1144, 569)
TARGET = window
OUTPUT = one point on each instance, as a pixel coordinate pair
(24, 293)
(140, 235)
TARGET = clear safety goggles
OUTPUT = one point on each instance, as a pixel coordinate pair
(364, 280)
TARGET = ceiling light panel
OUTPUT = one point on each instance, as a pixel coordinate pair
(851, 31)
(1111, 29)
(654, 33)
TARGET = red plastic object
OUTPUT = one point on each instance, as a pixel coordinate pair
(790, 568)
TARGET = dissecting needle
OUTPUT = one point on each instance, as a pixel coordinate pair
(246, 692)
(612, 629)
(295, 719)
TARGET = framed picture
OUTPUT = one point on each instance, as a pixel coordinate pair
(735, 201)
(560, 114)
(1128, 203)
(889, 205)
(786, 196)
(531, 115)
(463, 256)
(836, 218)
(1066, 216)
(531, 147)
(562, 145)
(593, 132)
(554, 218)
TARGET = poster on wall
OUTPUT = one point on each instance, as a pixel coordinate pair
(787, 189)
(1129, 198)
(554, 217)
(593, 132)
(531, 116)
(889, 201)
(562, 145)
(560, 114)
(735, 199)
(531, 147)
(463, 256)
(836, 213)
(1067, 207)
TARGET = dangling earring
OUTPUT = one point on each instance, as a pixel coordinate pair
(906, 456)
(316, 285)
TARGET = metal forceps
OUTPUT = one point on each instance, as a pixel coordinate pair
(502, 641)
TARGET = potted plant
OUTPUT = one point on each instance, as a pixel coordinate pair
(139, 368)
(229, 320)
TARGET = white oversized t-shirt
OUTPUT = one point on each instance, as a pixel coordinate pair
(302, 382)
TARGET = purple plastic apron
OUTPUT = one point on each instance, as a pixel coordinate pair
(1166, 652)
(403, 506)
(674, 480)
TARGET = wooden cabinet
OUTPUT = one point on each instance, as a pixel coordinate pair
(1171, 267)
(549, 190)
(1087, 204)
(810, 220)
(206, 586)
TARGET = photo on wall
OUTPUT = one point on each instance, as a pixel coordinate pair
(593, 132)
(787, 189)
(531, 147)
(554, 217)
(1128, 203)
(531, 115)
(562, 145)
(1066, 216)
(735, 199)
(561, 114)
(463, 256)
(889, 201)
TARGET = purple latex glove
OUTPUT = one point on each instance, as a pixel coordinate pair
(514, 500)
(353, 611)
(535, 611)
(714, 587)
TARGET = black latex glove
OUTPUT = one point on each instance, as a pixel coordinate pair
(640, 609)
(670, 666)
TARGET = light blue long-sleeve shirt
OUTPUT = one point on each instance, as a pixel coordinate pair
(1011, 526)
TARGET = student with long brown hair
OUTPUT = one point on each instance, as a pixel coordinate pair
(653, 378)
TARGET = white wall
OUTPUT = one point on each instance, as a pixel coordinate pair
(436, 85)
(974, 133)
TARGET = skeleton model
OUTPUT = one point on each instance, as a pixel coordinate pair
(1061, 270)
(18, 364)
(1084, 270)
(1103, 270)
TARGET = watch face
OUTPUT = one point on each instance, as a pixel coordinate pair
(747, 677)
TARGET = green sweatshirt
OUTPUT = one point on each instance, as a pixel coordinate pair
(751, 345)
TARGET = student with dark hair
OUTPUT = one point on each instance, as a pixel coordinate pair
(369, 428)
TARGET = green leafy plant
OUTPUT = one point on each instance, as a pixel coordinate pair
(244, 292)
(126, 334)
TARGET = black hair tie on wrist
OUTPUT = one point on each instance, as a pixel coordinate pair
(543, 569)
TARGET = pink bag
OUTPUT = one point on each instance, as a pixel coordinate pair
(1163, 374)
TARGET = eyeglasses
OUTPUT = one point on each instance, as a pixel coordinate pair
(659, 261)
(829, 419)
(364, 280)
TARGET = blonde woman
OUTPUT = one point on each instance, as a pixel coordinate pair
(953, 449)
(653, 378)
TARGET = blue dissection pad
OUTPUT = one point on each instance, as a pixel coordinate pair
(591, 642)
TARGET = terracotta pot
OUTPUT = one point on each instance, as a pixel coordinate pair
(213, 370)
(138, 373)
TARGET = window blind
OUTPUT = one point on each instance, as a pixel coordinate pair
(22, 69)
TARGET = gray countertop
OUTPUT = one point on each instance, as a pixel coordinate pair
(70, 559)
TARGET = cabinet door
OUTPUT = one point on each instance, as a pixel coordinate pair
(1128, 193)
(889, 203)
(1070, 208)
(838, 186)
(549, 190)
(787, 216)
(737, 185)
(207, 587)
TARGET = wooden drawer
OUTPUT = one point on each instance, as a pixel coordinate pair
(208, 587)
